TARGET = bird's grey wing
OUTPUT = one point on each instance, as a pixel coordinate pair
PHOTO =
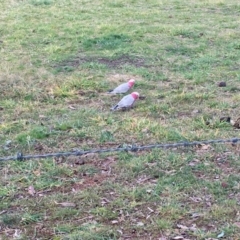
(117, 106)
(121, 88)
(126, 101)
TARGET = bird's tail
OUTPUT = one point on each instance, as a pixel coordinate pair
(110, 91)
(114, 108)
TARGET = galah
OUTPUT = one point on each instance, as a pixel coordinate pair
(124, 87)
(127, 101)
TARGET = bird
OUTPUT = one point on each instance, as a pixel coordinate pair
(126, 102)
(123, 88)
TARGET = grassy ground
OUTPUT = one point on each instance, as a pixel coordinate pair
(58, 59)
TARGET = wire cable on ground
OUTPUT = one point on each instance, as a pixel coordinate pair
(132, 148)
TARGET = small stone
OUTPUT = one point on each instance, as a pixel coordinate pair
(224, 184)
(8, 143)
(140, 224)
(222, 84)
(80, 161)
(114, 222)
(225, 119)
(207, 122)
(195, 111)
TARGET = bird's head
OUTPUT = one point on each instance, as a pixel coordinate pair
(131, 82)
(135, 95)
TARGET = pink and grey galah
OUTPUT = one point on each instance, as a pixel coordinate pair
(123, 88)
(127, 101)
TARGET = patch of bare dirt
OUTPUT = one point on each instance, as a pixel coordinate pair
(89, 182)
(114, 63)
(120, 78)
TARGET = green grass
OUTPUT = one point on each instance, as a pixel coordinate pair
(59, 58)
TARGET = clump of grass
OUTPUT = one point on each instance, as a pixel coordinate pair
(41, 2)
(110, 41)
(10, 219)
